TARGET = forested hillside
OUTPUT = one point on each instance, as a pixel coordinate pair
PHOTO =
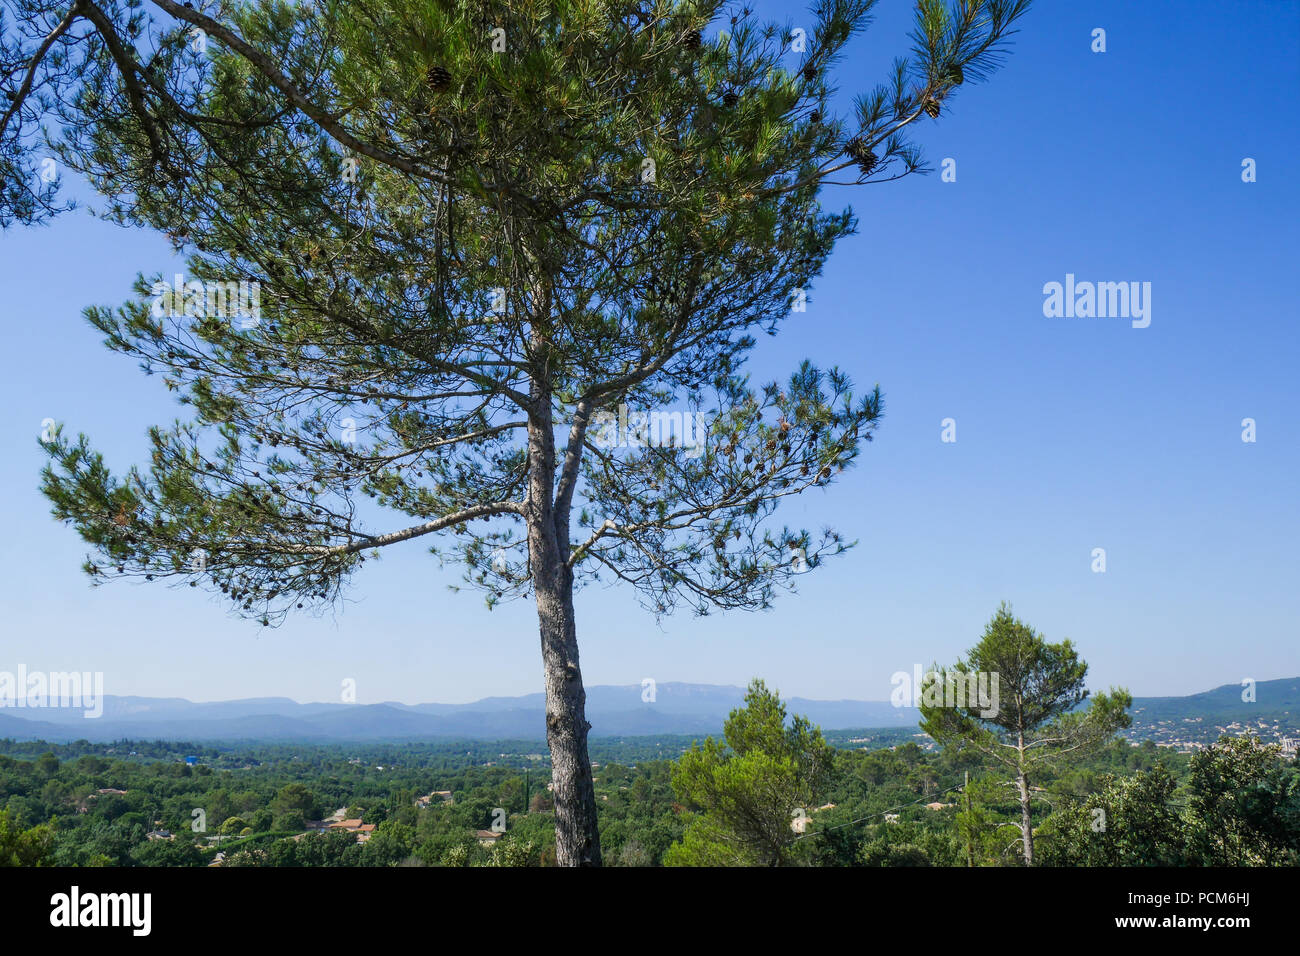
(884, 802)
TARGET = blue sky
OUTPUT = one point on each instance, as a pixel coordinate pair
(1072, 433)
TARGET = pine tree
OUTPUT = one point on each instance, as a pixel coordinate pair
(754, 793)
(462, 239)
(1031, 722)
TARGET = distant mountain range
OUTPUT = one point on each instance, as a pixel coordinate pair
(614, 711)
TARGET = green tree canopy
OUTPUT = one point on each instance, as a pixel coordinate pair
(464, 241)
(1244, 805)
(30, 847)
(1030, 722)
(293, 806)
(749, 792)
(1129, 822)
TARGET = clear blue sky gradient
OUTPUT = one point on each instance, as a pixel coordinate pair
(1072, 434)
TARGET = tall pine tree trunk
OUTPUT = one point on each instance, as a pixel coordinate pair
(1026, 824)
(577, 839)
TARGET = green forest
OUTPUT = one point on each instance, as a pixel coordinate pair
(1035, 773)
(1237, 803)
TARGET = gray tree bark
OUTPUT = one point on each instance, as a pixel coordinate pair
(577, 839)
(1026, 825)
